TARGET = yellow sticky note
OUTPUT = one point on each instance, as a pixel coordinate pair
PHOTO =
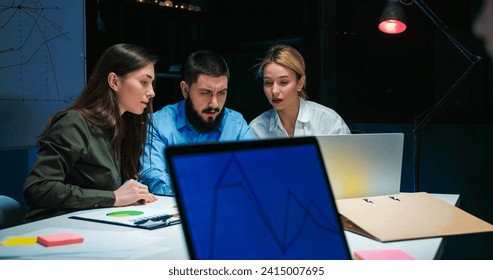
(20, 241)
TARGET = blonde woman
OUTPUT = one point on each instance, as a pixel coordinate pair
(292, 115)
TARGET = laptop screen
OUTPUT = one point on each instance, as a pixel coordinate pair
(361, 165)
(266, 199)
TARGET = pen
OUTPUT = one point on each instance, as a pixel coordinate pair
(161, 218)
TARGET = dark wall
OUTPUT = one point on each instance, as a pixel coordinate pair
(367, 76)
(224, 26)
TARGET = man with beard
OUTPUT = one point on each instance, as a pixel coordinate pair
(201, 117)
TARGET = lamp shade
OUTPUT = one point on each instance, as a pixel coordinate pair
(393, 18)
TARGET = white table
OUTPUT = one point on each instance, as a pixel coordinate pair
(106, 241)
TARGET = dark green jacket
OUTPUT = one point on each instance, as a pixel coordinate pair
(75, 169)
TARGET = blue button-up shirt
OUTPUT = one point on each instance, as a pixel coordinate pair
(171, 127)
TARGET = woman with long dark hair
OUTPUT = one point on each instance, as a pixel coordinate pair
(88, 154)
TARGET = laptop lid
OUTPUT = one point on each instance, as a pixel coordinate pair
(265, 199)
(360, 165)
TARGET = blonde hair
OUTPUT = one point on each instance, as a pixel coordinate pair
(287, 57)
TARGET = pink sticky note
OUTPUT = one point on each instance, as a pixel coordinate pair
(59, 239)
(389, 254)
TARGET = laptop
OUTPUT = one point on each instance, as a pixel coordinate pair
(360, 165)
(255, 200)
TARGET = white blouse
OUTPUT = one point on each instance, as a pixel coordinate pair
(313, 119)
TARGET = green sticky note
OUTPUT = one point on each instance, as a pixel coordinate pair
(20, 241)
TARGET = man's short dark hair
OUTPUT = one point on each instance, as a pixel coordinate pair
(204, 62)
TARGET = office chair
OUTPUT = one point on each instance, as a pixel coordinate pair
(11, 212)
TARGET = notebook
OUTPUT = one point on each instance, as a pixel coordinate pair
(360, 165)
(263, 199)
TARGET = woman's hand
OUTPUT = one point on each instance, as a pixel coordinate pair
(133, 192)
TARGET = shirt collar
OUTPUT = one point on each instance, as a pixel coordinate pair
(275, 122)
(181, 119)
(304, 113)
(303, 116)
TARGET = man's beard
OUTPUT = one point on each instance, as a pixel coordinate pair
(196, 120)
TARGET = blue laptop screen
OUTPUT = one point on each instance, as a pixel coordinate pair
(259, 203)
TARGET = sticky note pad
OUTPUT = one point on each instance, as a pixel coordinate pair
(389, 254)
(20, 241)
(59, 239)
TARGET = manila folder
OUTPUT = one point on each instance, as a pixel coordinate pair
(407, 216)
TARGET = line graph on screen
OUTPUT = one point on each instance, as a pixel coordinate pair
(279, 223)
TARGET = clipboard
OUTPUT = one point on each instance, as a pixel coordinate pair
(407, 216)
(141, 216)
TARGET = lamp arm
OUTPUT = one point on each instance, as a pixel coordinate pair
(428, 113)
(444, 29)
(473, 59)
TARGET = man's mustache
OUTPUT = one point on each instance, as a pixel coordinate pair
(211, 110)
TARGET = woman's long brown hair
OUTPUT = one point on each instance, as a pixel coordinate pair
(99, 106)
